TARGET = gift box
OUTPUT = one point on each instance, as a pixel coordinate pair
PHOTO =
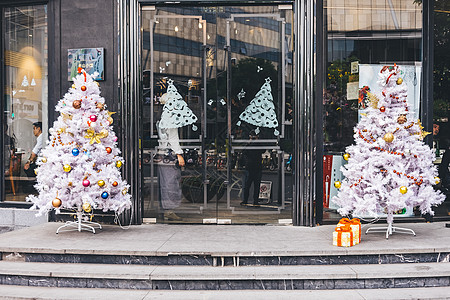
(355, 225)
(343, 236)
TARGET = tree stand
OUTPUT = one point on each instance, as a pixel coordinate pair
(79, 224)
(390, 228)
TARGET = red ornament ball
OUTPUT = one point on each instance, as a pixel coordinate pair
(86, 183)
(108, 150)
(83, 88)
(382, 109)
(115, 183)
(93, 118)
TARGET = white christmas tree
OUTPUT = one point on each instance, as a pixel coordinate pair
(176, 112)
(80, 166)
(390, 167)
(261, 110)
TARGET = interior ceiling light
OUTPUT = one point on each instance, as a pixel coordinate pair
(200, 25)
(176, 28)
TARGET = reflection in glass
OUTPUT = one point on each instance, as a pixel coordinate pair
(190, 46)
(25, 52)
(372, 33)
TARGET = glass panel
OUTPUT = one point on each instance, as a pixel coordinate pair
(259, 172)
(184, 52)
(172, 113)
(441, 107)
(25, 115)
(361, 37)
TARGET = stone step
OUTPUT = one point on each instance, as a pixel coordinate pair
(221, 278)
(224, 259)
(45, 293)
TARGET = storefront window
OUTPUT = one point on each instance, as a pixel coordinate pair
(441, 105)
(360, 38)
(217, 98)
(25, 96)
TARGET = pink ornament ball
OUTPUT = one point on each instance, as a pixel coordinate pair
(93, 118)
(86, 183)
(115, 139)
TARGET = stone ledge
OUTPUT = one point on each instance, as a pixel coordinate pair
(33, 292)
(190, 285)
(20, 217)
(206, 260)
(139, 272)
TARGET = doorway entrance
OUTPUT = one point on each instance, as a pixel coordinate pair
(217, 90)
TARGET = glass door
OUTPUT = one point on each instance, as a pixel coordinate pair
(173, 128)
(217, 85)
(259, 68)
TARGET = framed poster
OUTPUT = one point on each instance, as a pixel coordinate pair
(90, 59)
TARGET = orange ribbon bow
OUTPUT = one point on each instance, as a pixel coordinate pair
(353, 221)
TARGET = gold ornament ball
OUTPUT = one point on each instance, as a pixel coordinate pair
(101, 183)
(118, 164)
(337, 184)
(67, 168)
(399, 81)
(87, 207)
(73, 86)
(44, 160)
(346, 156)
(35, 171)
(124, 191)
(388, 137)
(56, 202)
(437, 180)
(403, 190)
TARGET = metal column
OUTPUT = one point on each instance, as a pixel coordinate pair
(304, 116)
(129, 95)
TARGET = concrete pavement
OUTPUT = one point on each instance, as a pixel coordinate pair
(221, 240)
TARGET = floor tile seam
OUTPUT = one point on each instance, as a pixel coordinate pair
(164, 243)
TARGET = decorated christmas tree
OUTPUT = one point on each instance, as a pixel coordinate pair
(176, 112)
(79, 168)
(261, 110)
(390, 167)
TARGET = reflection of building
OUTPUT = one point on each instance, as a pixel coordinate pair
(377, 32)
